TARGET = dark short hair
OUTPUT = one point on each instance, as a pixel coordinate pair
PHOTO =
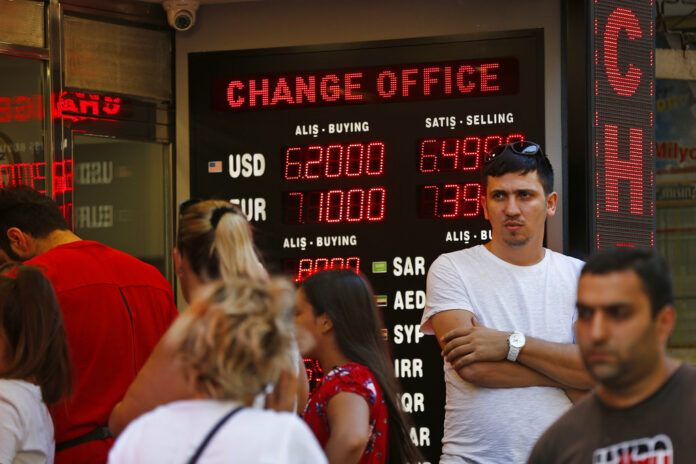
(509, 161)
(647, 263)
(30, 211)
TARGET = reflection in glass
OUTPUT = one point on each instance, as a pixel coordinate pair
(22, 158)
(120, 196)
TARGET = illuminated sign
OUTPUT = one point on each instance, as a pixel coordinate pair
(623, 101)
(366, 157)
(92, 105)
(24, 108)
(34, 175)
(466, 78)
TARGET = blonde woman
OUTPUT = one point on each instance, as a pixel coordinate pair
(230, 345)
(214, 242)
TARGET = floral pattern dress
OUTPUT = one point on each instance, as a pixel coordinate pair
(353, 378)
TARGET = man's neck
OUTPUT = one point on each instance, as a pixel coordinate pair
(54, 239)
(526, 255)
(629, 395)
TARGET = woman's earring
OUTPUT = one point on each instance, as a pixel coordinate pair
(179, 271)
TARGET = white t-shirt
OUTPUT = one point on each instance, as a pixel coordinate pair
(484, 425)
(26, 428)
(171, 433)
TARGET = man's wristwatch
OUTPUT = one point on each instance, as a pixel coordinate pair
(516, 342)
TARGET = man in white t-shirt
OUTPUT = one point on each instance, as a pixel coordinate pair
(503, 313)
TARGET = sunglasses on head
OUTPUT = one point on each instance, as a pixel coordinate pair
(522, 147)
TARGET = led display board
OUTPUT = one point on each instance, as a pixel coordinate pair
(622, 74)
(367, 156)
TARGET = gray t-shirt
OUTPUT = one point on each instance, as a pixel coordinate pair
(658, 430)
(496, 425)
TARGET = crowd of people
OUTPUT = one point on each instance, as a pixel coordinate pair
(97, 365)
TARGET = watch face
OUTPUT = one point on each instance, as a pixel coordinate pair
(517, 340)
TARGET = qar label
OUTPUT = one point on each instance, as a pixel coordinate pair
(412, 402)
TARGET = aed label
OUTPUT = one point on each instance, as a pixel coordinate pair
(409, 299)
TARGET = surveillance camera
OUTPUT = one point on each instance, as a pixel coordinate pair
(181, 14)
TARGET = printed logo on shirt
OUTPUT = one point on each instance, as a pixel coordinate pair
(655, 450)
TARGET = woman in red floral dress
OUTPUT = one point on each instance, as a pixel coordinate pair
(353, 412)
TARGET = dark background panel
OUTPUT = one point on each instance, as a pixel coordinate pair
(404, 244)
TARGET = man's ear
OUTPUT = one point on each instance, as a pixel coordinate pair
(177, 261)
(551, 203)
(20, 242)
(483, 205)
(664, 323)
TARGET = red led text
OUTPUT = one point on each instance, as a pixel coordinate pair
(335, 206)
(459, 154)
(25, 108)
(623, 123)
(333, 161)
(450, 201)
(369, 85)
(305, 267)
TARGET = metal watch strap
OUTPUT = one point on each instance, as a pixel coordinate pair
(512, 353)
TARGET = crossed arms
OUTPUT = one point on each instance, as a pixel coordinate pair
(478, 354)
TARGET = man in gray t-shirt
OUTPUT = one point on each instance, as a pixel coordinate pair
(503, 314)
(644, 407)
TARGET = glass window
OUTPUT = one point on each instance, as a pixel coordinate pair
(675, 182)
(22, 157)
(120, 197)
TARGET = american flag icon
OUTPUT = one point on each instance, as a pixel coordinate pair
(214, 166)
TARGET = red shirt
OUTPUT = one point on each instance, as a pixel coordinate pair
(354, 378)
(115, 309)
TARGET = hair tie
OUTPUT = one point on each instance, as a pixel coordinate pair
(218, 213)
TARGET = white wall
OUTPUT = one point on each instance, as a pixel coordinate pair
(261, 24)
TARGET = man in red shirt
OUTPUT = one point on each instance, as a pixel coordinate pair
(115, 309)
